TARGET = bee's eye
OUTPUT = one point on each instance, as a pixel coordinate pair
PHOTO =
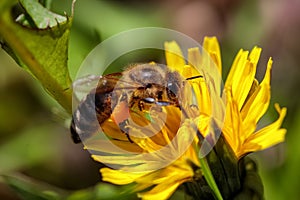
(172, 89)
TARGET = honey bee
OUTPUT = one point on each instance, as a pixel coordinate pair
(139, 87)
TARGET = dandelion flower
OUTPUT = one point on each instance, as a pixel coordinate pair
(240, 104)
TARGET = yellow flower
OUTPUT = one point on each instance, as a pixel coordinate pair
(246, 99)
(160, 163)
(247, 102)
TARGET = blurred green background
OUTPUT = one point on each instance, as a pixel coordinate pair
(35, 144)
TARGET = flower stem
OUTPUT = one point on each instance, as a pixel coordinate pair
(209, 178)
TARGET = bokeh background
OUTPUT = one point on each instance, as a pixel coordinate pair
(35, 144)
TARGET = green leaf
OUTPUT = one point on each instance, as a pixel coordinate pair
(43, 52)
(210, 178)
(30, 189)
(42, 17)
(46, 3)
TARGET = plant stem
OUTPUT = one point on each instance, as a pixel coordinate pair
(209, 178)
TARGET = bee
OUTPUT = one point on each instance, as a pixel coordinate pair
(138, 88)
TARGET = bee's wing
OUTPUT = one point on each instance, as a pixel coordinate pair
(114, 81)
(84, 85)
(96, 106)
(101, 84)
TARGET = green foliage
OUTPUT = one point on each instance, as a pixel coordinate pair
(42, 48)
(41, 17)
(29, 189)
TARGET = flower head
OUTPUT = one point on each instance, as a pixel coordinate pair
(164, 141)
(247, 102)
(161, 162)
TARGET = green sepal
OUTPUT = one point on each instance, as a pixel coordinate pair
(224, 166)
(220, 168)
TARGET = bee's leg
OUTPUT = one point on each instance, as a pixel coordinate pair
(125, 129)
(128, 137)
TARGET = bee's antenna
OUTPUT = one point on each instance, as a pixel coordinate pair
(194, 77)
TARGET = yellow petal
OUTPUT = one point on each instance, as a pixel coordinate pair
(195, 62)
(167, 180)
(192, 155)
(258, 102)
(179, 170)
(112, 146)
(236, 68)
(242, 87)
(204, 125)
(147, 144)
(199, 85)
(119, 177)
(242, 73)
(232, 129)
(207, 89)
(171, 173)
(174, 56)
(272, 134)
(203, 97)
(120, 160)
(211, 45)
(248, 148)
(162, 191)
(217, 102)
(255, 54)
